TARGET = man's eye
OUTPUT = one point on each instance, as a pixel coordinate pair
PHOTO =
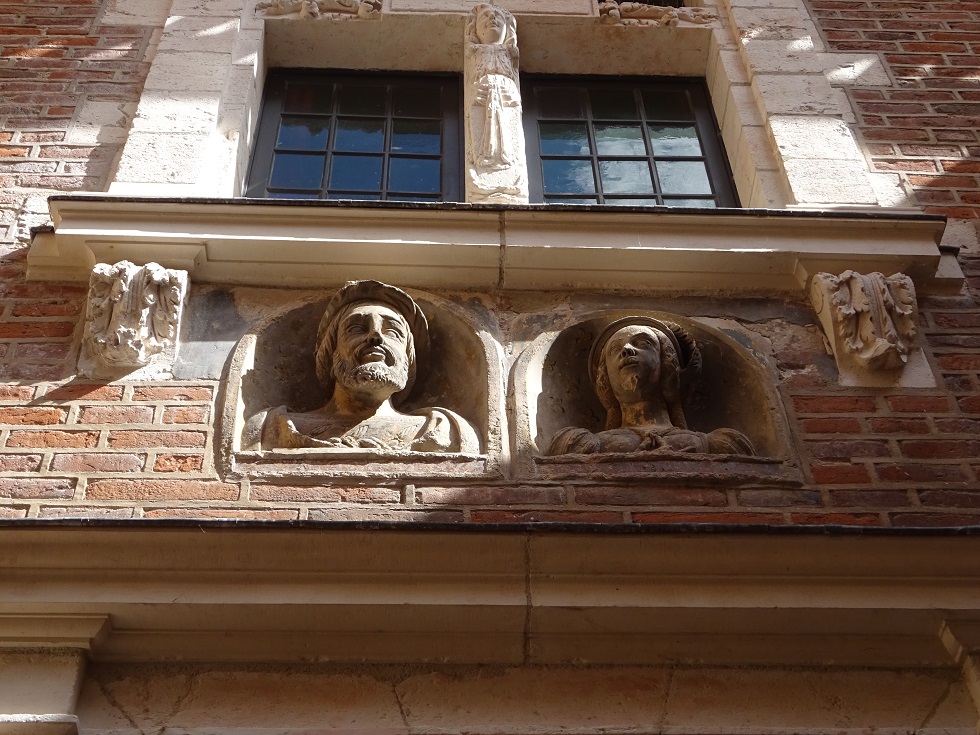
(355, 329)
(394, 333)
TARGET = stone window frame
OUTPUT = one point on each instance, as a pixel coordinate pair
(772, 86)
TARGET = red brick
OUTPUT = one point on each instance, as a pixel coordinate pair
(869, 498)
(13, 511)
(33, 415)
(146, 439)
(178, 463)
(169, 489)
(666, 517)
(379, 515)
(834, 404)
(20, 462)
(940, 449)
(956, 320)
(951, 498)
(831, 426)
(185, 414)
(840, 474)
(836, 519)
(545, 516)
(85, 391)
(911, 472)
(52, 308)
(16, 392)
(519, 495)
(97, 462)
(63, 439)
(320, 494)
(41, 352)
(898, 426)
(777, 498)
(932, 520)
(84, 511)
(918, 404)
(650, 496)
(230, 513)
(115, 415)
(20, 330)
(958, 426)
(848, 449)
(171, 393)
(959, 362)
(30, 487)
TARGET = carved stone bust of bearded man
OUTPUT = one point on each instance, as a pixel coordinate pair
(638, 364)
(367, 355)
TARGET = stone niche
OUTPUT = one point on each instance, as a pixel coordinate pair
(736, 390)
(273, 365)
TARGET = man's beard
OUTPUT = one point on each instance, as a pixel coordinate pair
(372, 375)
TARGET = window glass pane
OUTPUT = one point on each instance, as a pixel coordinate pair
(632, 202)
(308, 98)
(360, 135)
(619, 140)
(361, 173)
(412, 199)
(664, 104)
(702, 203)
(356, 197)
(414, 174)
(303, 133)
(674, 141)
(296, 171)
(613, 104)
(683, 177)
(625, 177)
(362, 99)
(416, 136)
(417, 101)
(290, 195)
(576, 200)
(561, 139)
(556, 102)
(568, 177)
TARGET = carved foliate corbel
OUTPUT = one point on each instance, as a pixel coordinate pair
(370, 9)
(133, 315)
(871, 321)
(642, 14)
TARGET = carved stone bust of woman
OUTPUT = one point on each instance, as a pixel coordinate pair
(638, 365)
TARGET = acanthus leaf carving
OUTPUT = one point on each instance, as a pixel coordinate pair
(370, 9)
(870, 319)
(133, 313)
(641, 14)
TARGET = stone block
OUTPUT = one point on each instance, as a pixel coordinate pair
(188, 71)
(822, 181)
(96, 120)
(766, 56)
(38, 683)
(784, 24)
(809, 136)
(164, 158)
(800, 94)
(134, 13)
(197, 113)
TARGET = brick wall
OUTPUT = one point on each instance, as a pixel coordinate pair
(925, 126)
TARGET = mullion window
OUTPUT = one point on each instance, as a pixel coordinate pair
(652, 116)
(359, 157)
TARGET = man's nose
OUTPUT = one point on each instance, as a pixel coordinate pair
(629, 349)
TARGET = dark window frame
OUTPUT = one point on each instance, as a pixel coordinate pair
(277, 85)
(716, 161)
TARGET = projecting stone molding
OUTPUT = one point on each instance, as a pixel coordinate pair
(871, 324)
(642, 14)
(132, 319)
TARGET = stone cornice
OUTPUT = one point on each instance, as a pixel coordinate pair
(279, 593)
(487, 247)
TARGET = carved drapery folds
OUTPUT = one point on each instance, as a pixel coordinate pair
(871, 322)
(370, 9)
(133, 316)
(641, 14)
(496, 167)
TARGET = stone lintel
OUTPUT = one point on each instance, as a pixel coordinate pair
(503, 596)
(240, 241)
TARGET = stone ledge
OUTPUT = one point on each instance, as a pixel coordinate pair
(288, 594)
(314, 244)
